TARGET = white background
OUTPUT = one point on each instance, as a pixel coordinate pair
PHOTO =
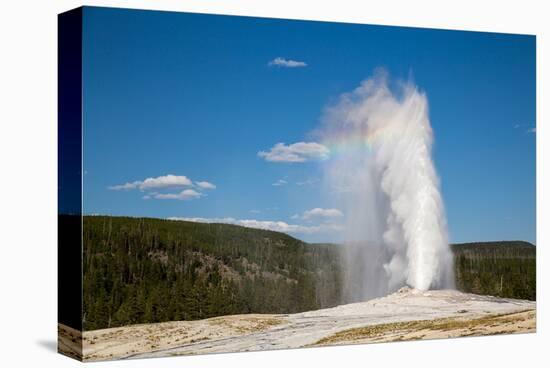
(28, 149)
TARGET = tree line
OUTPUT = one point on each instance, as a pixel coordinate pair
(504, 269)
(152, 270)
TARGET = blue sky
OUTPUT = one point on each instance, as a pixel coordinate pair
(195, 96)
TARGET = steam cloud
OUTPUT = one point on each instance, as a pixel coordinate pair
(384, 178)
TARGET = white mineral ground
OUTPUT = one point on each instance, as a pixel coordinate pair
(405, 315)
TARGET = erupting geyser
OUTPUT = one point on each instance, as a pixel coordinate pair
(384, 177)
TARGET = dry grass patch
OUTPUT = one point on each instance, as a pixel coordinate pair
(247, 324)
(414, 330)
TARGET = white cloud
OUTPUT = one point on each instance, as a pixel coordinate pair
(184, 195)
(167, 181)
(307, 182)
(286, 63)
(279, 183)
(319, 213)
(151, 185)
(160, 182)
(529, 130)
(296, 152)
(127, 186)
(205, 185)
(280, 226)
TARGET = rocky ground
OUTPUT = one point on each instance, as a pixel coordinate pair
(405, 315)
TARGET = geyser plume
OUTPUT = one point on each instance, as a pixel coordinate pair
(383, 175)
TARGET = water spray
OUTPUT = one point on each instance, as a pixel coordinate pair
(383, 176)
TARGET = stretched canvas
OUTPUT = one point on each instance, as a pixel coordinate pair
(229, 184)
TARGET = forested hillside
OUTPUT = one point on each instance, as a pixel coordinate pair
(151, 270)
(506, 269)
